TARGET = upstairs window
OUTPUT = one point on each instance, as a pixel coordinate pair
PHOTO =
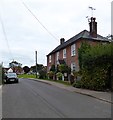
(73, 50)
(64, 53)
(50, 59)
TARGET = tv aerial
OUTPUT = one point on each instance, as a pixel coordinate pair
(92, 9)
(88, 18)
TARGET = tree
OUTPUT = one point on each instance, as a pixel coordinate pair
(26, 69)
(42, 73)
(84, 48)
(39, 67)
(97, 67)
(101, 56)
(15, 63)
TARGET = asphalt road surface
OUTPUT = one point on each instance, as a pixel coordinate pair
(32, 99)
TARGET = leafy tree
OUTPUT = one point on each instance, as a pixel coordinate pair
(14, 63)
(26, 69)
(43, 73)
(100, 55)
(39, 67)
(97, 67)
(84, 47)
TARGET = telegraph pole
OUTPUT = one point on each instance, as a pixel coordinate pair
(36, 62)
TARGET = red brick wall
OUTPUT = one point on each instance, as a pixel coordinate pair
(49, 64)
(69, 59)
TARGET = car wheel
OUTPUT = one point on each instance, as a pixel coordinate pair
(17, 81)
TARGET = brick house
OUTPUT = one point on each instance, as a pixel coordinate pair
(67, 51)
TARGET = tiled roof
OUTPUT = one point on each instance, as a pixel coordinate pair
(84, 34)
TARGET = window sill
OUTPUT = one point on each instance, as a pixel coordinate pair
(73, 55)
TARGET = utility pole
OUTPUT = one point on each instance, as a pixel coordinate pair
(36, 62)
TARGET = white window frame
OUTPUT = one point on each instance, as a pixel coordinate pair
(57, 56)
(64, 53)
(49, 58)
(73, 50)
(73, 66)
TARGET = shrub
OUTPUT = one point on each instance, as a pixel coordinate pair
(63, 68)
(77, 84)
(96, 63)
(50, 74)
(42, 74)
(59, 75)
(97, 80)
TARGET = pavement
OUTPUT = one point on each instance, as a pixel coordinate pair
(104, 96)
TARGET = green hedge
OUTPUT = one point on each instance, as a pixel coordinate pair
(96, 66)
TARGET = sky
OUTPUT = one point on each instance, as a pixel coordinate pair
(27, 26)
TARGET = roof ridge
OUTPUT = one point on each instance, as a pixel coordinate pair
(83, 34)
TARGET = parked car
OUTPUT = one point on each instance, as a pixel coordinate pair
(11, 77)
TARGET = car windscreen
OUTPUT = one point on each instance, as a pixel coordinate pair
(11, 75)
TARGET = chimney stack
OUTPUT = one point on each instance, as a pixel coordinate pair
(62, 40)
(93, 27)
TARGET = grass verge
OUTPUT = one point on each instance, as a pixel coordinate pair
(26, 76)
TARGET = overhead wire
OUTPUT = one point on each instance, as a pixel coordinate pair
(5, 36)
(39, 21)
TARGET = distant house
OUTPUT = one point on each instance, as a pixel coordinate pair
(10, 70)
(16, 67)
(67, 51)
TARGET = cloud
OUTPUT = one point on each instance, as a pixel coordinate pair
(63, 18)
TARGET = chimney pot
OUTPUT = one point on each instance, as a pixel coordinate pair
(93, 27)
(94, 19)
(62, 40)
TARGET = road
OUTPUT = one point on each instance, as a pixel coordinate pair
(32, 99)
